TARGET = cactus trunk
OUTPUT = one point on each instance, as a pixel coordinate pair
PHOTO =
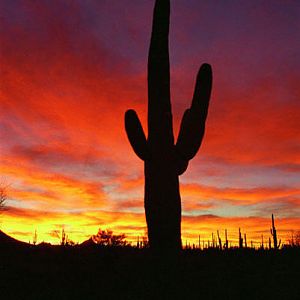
(164, 160)
(162, 206)
(162, 197)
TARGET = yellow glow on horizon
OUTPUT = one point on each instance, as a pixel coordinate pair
(80, 227)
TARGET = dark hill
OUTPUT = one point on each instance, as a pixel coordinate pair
(88, 243)
(8, 241)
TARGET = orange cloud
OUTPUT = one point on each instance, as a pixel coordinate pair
(240, 195)
(51, 190)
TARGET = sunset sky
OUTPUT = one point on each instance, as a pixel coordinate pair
(69, 71)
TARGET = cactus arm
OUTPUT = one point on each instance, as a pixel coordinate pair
(136, 134)
(159, 105)
(193, 122)
(181, 165)
(202, 91)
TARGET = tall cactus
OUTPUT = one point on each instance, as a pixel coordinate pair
(240, 239)
(226, 240)
(274, 235)
(163, 159)
(219, 240)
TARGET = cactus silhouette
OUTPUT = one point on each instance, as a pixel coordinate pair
(240, 239)
(274, 235)
(163, 159)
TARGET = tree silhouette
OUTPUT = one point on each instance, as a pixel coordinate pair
(3, 195)
(107, 238)
(165, 160)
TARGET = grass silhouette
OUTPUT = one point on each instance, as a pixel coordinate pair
(108, 272)
(107, 267)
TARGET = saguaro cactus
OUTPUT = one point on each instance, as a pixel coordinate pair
(226, 240)
(165, 160)
(262, 242)
(240, 239)
(219, 240)
(274, 235)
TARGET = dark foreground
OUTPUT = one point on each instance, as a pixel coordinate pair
(127, 273)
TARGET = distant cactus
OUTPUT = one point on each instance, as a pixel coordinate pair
(245, 239)
(213, 240)
(165, 160)
(240, 239)
(226, 240)
(34, 241)
(274, 235)
(63, 237)
(219, 240)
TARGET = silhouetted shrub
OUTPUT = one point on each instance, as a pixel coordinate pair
(107, 238)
